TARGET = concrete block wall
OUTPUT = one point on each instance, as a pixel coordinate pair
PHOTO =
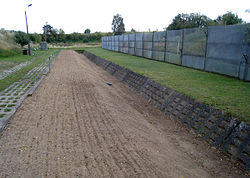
(230, 135)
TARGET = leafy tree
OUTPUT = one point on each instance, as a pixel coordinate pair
(47, 29)
(118, 26)
(229, 19)
(36, 38)
(192, 20)
(61, 37)
(133, 30)
(21, 38)
(87, 31)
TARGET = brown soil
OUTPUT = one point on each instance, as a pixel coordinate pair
(75, 125)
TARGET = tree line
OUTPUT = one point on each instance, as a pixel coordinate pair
(54, 35)
(180, 21)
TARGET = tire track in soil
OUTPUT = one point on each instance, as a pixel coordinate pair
(117, 141)
(92, 100)
(95, 130)
(99, 137)
(132, 157)
(75, 125)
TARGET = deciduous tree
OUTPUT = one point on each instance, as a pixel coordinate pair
(118, 26)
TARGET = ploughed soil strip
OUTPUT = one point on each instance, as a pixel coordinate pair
(75, 125)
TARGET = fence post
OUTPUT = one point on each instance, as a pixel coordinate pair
(118, 44)
(135, 44)
(143, 44)
(182, 45)
(205, 62)
(49, 64)
(128, 43)
(152, 56)
(165, 46)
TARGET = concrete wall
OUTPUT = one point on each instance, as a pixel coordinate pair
(219, 130)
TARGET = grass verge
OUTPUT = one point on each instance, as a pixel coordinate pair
(11, 61)
(19, 74)
(221, 92)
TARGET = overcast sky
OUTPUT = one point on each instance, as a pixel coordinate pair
(77, 15)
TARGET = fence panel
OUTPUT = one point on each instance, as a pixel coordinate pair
(120, 44)
(131, 44)
(159, 46)
(138, 44)
(174, 46)
(112, 43)
(219, 49)
(125, 44)
(225, 50)
(147, 45)
(116, 47)
(194, 47)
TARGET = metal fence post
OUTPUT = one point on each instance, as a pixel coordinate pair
(134, 44)
(165, 47)
(118, 47)
(205, 62)
(143, 44)
(182, 45)
(152, 56)
(49, 64)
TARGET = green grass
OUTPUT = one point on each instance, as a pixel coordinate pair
(7, 110)
(11, 61)
(14, 77)
(225, 93)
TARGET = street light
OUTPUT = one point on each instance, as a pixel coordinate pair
(28, 37)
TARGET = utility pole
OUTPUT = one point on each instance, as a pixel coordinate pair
(28, 37)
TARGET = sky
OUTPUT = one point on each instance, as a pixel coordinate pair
(97, 15)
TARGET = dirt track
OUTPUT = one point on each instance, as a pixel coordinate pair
(75, 125)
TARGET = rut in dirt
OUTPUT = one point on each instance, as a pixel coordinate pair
(75, 125)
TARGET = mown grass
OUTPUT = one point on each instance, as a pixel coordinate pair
(225, 93)
(11, 61)
(14, 77)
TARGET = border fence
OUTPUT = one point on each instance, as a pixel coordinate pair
(219, 49)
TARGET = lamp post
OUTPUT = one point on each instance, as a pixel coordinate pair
(28, 37)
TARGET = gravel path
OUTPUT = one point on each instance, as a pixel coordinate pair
(75, 125)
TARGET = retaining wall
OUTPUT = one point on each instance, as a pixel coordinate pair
(228, 134)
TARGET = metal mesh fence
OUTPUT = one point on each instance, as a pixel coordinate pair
(131, 44)
(174, 46)
(194, 47)
(219, 49)
(138, 44)
(225, 46)
(159, 46)
(147, 45)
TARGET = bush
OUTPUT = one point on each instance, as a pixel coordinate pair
(10, 52)
(21, 38)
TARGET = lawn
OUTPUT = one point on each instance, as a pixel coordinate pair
(11, 61)
(40, 57)
(225, 93)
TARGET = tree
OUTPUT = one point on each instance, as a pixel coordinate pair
(21, 38)
(61, 37)
(36, 38)
(133, 30)
(87, 31)
(118, 26)
(229, 19)
(192, 20)
(47, 29)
